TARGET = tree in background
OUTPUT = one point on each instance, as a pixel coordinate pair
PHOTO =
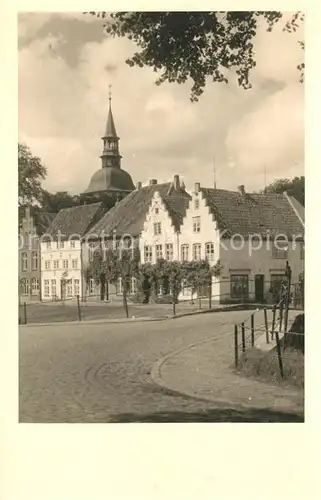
(31, 172)
(53, 202)
(294, 188)
(196, 45)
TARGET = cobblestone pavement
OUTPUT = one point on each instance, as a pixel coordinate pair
(101, 373)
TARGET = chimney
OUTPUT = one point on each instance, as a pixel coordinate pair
(241, 190)
(138, 185)
(183, 185)
(176, 182)
(197, 187)
(152, 181)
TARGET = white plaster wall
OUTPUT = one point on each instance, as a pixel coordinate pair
(168, 234)
(207, 234)
(256, 261)
(66, 253)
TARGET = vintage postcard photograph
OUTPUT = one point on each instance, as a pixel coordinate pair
(161, 217)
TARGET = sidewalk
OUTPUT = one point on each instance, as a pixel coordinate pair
(204, 370)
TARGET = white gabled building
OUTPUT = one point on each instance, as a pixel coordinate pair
(151, 215)
(61, 252)
(237, 230)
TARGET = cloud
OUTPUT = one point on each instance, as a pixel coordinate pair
(272, 136)
(62, 113)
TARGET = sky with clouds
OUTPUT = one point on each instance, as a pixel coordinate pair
(66, 63)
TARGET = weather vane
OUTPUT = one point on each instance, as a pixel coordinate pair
(109, 92)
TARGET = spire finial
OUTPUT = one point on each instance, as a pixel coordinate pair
(109, 94)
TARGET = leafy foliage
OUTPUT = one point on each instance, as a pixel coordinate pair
(195, 45)
(31, 172)
(53, 202)
(294, 187)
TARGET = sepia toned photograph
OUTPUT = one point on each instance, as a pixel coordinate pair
(161, 219)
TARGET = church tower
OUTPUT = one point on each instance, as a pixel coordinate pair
(110, 183)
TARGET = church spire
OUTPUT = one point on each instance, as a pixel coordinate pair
(110, 156)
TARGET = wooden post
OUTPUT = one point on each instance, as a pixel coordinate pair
(243, 337)
(252, 330)
(266, 326)
(78, 307)
(25, 312)
(210, 295)
(278, 347)
(273, 321)
(125, 303)
(287, 301)
(174, 305)
(236, 349)
(281, 315)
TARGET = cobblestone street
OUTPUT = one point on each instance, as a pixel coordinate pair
(102, 372)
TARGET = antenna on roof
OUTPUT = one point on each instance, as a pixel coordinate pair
(214, 172)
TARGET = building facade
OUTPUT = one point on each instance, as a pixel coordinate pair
(33, 226)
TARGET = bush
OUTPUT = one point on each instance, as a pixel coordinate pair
(265, 366)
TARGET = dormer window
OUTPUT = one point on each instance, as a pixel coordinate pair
(196, 204)
(156, 210)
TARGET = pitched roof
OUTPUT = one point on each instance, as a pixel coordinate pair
(297, 207)
(250, 213)
(128, 216)
(110, 126)
(75, 220)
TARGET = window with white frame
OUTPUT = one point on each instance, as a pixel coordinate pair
(209, 251)
(196, 204)
(53, 288)
(239, 286)
(169, 251)
(24, 283)
(74, 263)
(197, 251)
(159, 252)
(196, 224)
(34, 259)
(65, 264)
(133, 286)
(24, 261)
(156, 210)
(69, 288)
(72, 244)
(47, 265)
(46, 288)
(91, 286)
(184, 252)
(148, 253)
(35, 286)
(76, 287)
(60, 244)
(157, 228)
(280, 249)
(91, 251)
(48, 245)
(56, 264)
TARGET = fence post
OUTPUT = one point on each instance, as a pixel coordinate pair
(278, 347)
(236, 349)
(273, 321)
(281, 315)
(252, 330)
(243, 337)
(25, 312)
(287, 302)
(174, 306)
(266, 326)
(78, 307)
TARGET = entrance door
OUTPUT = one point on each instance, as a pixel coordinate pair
(259, 288)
